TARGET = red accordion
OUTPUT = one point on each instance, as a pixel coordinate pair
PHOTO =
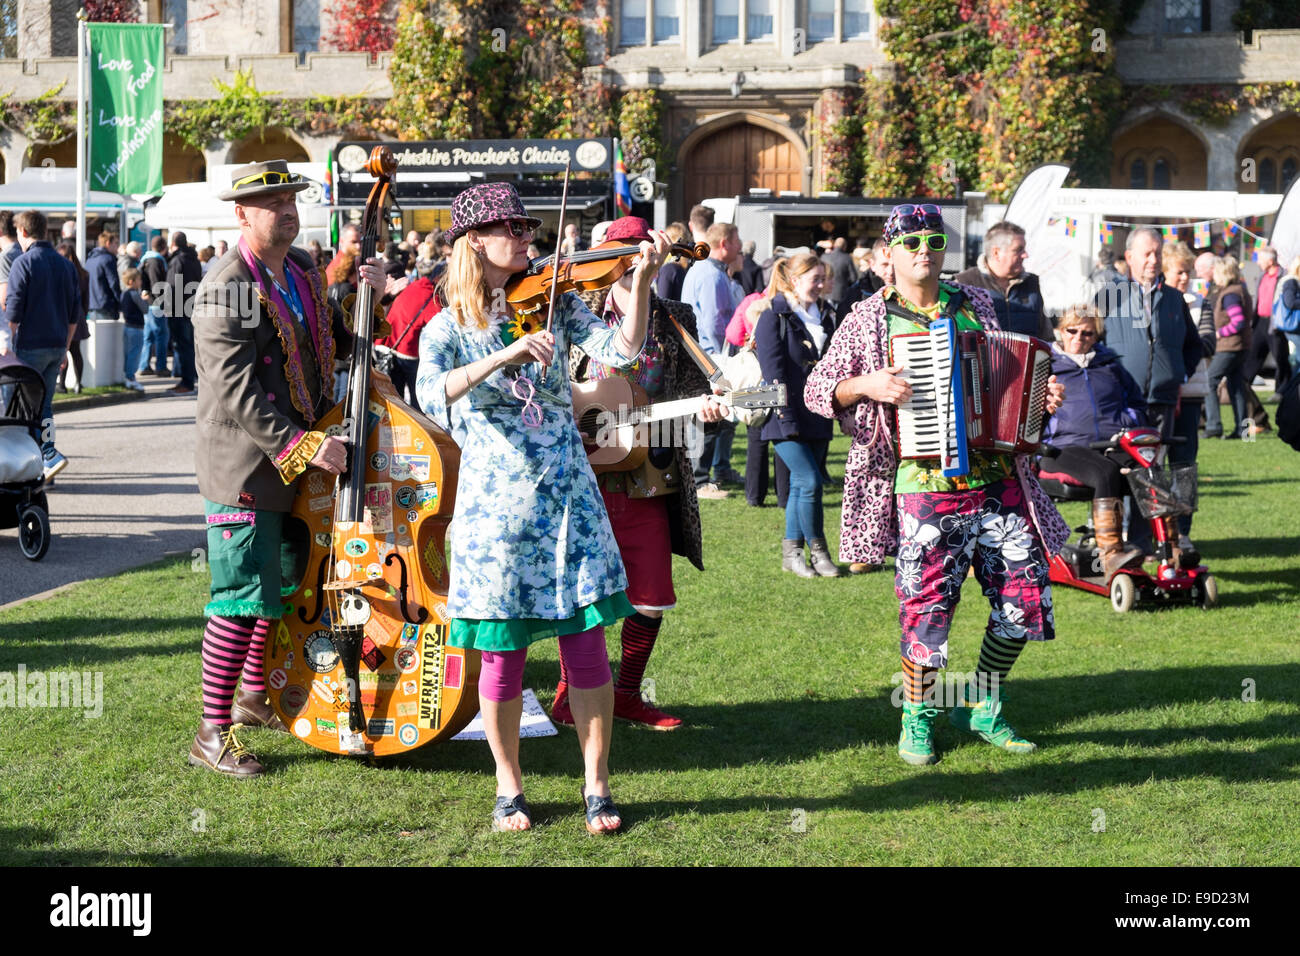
(995, 401)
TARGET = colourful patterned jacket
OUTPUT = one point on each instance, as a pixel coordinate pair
(870, 519)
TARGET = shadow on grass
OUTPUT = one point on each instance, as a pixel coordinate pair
(34, 851)
(785, 732)
(1225, 549)
(54, 643)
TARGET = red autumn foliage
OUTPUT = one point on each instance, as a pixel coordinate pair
(112, 11)
(363, 26)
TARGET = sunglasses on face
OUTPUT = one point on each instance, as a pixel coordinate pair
(516, 228)
(269, 179)
(1082, 333)
(936, 242)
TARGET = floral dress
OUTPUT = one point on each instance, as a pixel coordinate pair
(530, 549)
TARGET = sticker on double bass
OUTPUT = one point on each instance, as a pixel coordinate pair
(379, 508)
(410, 467)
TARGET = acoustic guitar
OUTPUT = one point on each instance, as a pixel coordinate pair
(619, 426)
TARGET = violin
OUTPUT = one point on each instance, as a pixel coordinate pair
(596, 268)
(360, 665)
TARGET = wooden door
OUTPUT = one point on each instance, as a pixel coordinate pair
(735, 159)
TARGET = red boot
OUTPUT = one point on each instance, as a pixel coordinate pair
(560, 712)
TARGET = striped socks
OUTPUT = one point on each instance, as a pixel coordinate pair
(639, 634)
(254, 674)
(226, 642)
(917, 680)
(997, 657)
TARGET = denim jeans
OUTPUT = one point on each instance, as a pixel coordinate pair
(132, 341)
(155, 343)
(47, 362)
(182, 332)
(1293, 339)
(803, 509)
(1225, 365)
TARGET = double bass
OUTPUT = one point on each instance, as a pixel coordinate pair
(360, 664)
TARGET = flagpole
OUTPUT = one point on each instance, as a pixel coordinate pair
(82, 133)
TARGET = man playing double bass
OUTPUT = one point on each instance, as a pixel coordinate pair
(265, 341)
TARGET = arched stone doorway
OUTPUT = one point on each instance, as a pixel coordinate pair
(273, 143)
(1158, 153)
(1274, 145)
(735, 154)
(182, 163)
(63, 154)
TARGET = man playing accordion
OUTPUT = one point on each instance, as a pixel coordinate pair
(995, 517)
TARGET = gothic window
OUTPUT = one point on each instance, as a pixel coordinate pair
(1267, 176)
(1137, 174)
(1288, 174)
(1160, 174)
(306, 27)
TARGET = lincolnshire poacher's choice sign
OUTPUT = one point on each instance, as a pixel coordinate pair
(126, 107)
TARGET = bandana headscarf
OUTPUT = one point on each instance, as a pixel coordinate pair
(912, 217)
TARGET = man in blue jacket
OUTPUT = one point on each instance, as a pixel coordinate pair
(105, 287)
(1149, 326)
(40, 307)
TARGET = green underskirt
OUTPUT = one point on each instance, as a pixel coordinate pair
(517, 634)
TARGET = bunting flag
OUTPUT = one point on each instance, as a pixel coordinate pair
(622, 191)
(1071, 226)
(1230, 229)
(1199, 287)
(1106, 233)
(1257, 246)
(1201, 235)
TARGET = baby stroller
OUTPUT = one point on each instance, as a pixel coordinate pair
(22, 469)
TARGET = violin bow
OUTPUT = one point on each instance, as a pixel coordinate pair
(555, 261)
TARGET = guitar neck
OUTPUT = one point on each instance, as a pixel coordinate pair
(663, 410)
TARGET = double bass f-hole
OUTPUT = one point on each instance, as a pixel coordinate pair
(325, 569)
(403, 591)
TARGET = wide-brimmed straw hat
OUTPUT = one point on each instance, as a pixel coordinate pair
(485, 203)
(258, 179)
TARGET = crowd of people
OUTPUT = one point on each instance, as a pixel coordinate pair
(1162, 330)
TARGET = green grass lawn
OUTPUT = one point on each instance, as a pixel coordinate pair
(789, 753)
(69, 396)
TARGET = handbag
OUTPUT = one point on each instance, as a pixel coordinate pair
(742, 371)
(1284, 319)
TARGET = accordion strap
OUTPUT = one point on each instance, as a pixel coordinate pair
(956, 299)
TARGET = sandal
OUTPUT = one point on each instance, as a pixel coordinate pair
(507, 807)
(600, 806)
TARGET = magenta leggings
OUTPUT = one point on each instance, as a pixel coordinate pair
(585, 661)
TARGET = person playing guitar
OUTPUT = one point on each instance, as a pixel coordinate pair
(650, 522)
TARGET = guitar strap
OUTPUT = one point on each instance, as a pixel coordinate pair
(696, 351)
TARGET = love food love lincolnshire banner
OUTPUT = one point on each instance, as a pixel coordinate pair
(126, 107)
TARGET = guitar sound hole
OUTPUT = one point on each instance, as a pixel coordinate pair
(589, 425)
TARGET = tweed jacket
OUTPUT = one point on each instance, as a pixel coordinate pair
(870, 520)
(682, 379)
(246, 418)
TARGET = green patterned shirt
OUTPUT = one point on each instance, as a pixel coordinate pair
(926, 474)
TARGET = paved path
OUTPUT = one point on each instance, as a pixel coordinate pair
(127, 497)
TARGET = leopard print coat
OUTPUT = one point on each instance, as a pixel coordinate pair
(682, 379)
(870, 520)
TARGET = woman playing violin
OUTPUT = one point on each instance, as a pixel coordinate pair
(530, 552)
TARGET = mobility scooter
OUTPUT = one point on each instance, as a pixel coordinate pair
(1160, 495)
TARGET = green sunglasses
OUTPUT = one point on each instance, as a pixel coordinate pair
(937, 242)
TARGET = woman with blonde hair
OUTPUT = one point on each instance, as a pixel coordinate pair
(791, 336)
(1232, 310)
(531, 554)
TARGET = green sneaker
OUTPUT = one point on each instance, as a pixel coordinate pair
(985, 720)
(916, 742)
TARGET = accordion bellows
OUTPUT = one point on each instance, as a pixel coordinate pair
(993, 399)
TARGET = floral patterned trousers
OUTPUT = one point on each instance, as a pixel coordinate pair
(940, 535)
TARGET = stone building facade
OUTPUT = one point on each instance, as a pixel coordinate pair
(746, 84)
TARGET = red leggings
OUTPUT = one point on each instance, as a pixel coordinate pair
(585, 661)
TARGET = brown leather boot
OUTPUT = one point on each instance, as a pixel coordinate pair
(254, 710)
(1108, 524)
(218, 750)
